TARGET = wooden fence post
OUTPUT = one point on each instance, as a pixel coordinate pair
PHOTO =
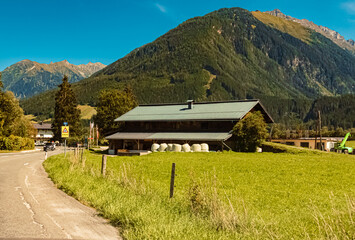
(81, 154)
(172, 180)
(103, 166)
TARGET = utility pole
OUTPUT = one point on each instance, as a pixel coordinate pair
(97, 135)
(89, 142)
(320, 130)
(315, 139)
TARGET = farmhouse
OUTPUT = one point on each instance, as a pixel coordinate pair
(44, 133)
(205, 122)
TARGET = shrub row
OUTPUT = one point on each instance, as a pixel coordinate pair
(15, 143)
(282, 148)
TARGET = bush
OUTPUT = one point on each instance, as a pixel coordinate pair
(15, 143)
(73, 141)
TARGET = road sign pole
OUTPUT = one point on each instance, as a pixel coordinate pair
(65, 146)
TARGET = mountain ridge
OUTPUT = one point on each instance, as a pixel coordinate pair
(26, 78)
(325, 31)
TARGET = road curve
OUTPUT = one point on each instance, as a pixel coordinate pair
(31, 207)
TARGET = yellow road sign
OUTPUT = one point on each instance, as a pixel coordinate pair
(65, 131)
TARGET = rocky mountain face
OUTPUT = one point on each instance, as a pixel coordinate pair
(329, 33)
(27, 78)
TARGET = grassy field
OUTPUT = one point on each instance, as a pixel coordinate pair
(87, 111)
(283, 25)
(218, 195)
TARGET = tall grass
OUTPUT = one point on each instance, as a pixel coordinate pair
(217, 195)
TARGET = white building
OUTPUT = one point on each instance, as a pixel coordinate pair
(44, 132)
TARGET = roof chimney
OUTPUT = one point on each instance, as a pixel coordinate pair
(190, 104)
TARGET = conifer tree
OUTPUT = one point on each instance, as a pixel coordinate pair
(66, 111)
(1, 85)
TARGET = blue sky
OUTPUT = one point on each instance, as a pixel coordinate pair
(106, 30)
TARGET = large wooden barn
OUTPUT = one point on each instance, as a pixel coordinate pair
(205, 122)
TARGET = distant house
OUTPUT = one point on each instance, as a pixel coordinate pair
(44, 132)
(311, 143)
(205, 122)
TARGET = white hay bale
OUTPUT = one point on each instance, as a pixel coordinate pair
(163, 147)
(170, 147)
(204, 147)
(196, 148)
(176, 148)
(155, 147)
(186, 148)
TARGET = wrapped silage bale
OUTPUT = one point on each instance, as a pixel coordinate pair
(204, 147)
(155, 147)
(176, 148)
(170, 147)
(163, 147)
(186, 148)
(196, 148)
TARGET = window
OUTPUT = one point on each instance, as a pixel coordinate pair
(290, 143)
(305, 144)
(204, 125)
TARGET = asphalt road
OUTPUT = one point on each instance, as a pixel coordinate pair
(31, 207)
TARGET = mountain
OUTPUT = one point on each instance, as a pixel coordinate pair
(331, 34)
(227, 54)
(27, 78)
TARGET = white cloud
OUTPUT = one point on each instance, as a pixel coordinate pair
(349, 7)
(161, 8)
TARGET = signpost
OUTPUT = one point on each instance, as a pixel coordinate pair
(65, 135)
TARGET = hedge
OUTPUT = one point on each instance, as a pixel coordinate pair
(282, 148)
(15, 143)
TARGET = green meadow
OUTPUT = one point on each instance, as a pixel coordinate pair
(309, 195)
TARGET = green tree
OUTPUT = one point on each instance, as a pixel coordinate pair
(1, 85)
(250, 132)
(111, 105)
(66, 111)
(12, 119)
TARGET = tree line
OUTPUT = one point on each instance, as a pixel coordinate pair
(15, 128)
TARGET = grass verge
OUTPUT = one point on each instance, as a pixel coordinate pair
(217, 195)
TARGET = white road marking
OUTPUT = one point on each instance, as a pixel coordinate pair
(28, 206)
(27, 185)
(57, 224)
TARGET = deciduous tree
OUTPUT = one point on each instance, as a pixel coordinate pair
(12, 119)
(250, 132)
(111, 105)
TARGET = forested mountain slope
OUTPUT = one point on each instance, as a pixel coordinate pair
(228, 54)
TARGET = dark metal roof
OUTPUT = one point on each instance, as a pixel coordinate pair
(198, 136)
(43, 126)
(207, 111)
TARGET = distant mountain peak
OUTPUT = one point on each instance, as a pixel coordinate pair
(63, 62)
(26, 78)
(325, 31)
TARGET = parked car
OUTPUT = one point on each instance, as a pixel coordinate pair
(49, 147)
